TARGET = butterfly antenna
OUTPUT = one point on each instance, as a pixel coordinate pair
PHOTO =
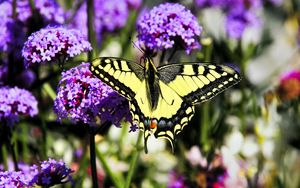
(137, 46)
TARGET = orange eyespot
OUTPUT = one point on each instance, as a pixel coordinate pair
(153, 124)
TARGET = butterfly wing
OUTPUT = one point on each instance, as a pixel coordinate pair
(196, 82)
(123, 76)
(170, 116)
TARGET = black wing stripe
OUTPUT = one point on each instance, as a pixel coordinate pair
(201, 81)
(116, 73)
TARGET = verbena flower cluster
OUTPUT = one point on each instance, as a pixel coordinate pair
(12, 30)
(84, 98)
(54, 44)
(11, 34)
(50, 10)
(51, 173)
(240, 14)
(169, 25)
(12, 179)
(48, 173)
(109, 15)
(15, 102)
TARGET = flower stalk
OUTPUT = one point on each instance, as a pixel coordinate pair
(134, 159)
(93, 159)
(115, 180)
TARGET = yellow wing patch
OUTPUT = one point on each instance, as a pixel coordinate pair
(171, 115)
(123, 76)
(196, 83)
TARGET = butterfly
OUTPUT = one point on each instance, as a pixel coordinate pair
(162, 99)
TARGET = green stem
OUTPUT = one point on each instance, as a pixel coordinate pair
(44, 138)
(91, 32)
(134, 160)
(121, 140)
(4, 156)
(32, 4)
(117, 183)
(24, 139)
(204, 124)
(244, 96)
(93, 159)
(128, 31)
(83, 163)
(11, 147)
(48, 89)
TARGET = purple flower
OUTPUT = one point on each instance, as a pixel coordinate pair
(230, 5)
(240, 14)
(21, 178)
(176, 181)
(84, 98)
(208, 3)
(49, 173)
(50, 11)
(54, 44)
(15, 102)
(238, 20)
(133, 127)
(134, 4)
(168, 25)
(12, 179)
(109, 15)
(52, 172)
(12, 36)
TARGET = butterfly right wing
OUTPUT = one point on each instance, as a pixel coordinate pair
(123, 76)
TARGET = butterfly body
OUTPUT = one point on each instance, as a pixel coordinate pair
(162, 99)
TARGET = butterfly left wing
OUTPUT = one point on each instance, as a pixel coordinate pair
(123, 76)
(196, 82)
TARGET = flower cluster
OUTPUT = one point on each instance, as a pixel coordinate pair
(240, 14)
(82, 98)
(168, 25)
(51, 173)
(11, 34)
(238, 20)
(15, 102)
(50, 10)
(109, 15)
(289, 87)
(54, 43)
(11, 179)
(48, 173)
